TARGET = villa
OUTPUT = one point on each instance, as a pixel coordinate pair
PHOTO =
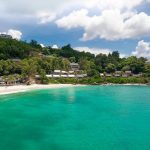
(65, 74)
(117, 74)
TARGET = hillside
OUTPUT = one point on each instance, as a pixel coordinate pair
(10, 48)
(32, 59)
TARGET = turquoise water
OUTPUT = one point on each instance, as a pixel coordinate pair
(77, 118)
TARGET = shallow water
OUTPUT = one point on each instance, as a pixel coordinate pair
(77, 118)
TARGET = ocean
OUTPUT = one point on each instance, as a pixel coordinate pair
(76, 118)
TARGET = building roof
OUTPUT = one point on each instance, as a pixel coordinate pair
(71, 71)
(128, 71)
(118, 72)
(147, 62)
(74, 64)
(108, 75)
(57, 71)
(64, 72)
(2, 35)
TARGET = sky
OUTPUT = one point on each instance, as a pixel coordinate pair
(96, 26)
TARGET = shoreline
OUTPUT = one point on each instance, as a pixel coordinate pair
(5, 90)
(127, 84)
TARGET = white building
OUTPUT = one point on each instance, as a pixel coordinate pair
(147, 62)
(74, 66)
(101, 74)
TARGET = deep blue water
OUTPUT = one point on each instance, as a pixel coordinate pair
(77, 118)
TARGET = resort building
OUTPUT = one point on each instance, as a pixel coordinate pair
(118, 73)
(137, 75)
(124, 75)
(128, 73)
(108, 75)
(57, 73)
(5, 36)
(71, 74)
(101, 74)
(81, 75)
(64, 74)
(147, 62)
(74, 66)
(49, 76)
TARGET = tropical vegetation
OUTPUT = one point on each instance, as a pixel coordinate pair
(20, 61)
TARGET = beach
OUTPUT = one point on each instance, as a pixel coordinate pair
(22, 88)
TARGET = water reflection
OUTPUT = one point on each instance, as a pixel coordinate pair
(67, 94)
(71, 95)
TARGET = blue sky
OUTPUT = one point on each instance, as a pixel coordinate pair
(98, 26)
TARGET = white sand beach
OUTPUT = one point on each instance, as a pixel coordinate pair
(22, 88)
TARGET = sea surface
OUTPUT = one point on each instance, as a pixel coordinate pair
(76, 118)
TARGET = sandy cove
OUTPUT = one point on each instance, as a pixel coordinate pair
(22, 88)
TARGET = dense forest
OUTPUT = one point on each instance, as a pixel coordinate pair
(21, 61)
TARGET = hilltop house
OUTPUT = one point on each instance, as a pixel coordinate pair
(5, 36)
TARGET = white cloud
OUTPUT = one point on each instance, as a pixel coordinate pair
(45, 17)
(30, 8)
(117, 19)
(55, 46)
(97, 51)
(15, 34)
(142, 49)
(110, 24)
(113, 4)
(42, 45)
(74, 20)
(93, 50)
